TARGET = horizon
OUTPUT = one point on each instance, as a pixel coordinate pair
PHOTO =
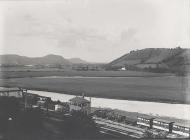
(87, 60)
(52, 54)
(94, 31)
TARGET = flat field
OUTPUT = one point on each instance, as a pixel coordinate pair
(45, 72)
(170, 89)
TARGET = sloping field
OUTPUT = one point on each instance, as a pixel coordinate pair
(161, 89)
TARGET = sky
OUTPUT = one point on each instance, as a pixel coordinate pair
(93, 30)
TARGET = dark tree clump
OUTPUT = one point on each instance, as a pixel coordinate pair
(79, 126)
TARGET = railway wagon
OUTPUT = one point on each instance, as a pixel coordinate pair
(182, 128)
(164, 125)
(145, 121)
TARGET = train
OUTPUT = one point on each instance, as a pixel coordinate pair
(180, 127)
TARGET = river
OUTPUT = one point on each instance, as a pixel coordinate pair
(180, 111)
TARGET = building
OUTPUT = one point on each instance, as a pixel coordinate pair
(11, 92)
(145, 120)
(182, 128)
(122, 69)
(43, 98)
(164, 125)
(86, 67)
(41, 103)
(30, 99)
(58, 106)
(52, 106)
(80, 67)
(80, 104)
(33, 100)
(61, 107)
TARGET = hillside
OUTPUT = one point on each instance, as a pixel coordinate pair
(153, 58)
(23, 60)
(77, 61)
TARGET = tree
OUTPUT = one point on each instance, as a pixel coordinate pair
(47, 102)
(9, 108)
(162, 135)
(79, 126)
(148, 134)
(30, 119)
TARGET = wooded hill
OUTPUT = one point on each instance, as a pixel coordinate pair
(154, 59)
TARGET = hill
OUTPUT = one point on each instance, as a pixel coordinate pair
(77, 61)
(153, 59)
(51, 59)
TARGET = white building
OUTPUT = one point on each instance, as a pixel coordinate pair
(61, 107)
(123, 69)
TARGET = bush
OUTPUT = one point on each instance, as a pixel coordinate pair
(30, 120)
(79, 126)
(148, 134)
(9, 108)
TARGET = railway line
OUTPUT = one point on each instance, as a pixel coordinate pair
(120, 130)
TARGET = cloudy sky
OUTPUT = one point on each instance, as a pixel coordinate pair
(94, 30)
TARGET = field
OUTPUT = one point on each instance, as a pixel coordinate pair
(144, 87)
(45, 72)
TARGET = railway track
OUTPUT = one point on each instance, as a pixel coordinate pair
(118, 129)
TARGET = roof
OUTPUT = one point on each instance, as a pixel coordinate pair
(79, 100)
(145, 116)
(185, 123)
(31, 94)
(126, 113)
(3, 89)
(61, 104)
(180, 122)
(163, 120)
(44, 97)
(131, 119)
(41, 101)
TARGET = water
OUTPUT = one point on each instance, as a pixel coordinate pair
(180, 111)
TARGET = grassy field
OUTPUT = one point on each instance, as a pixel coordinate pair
(42, 73)
(161, 89)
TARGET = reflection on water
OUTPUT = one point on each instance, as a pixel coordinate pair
(180, 111)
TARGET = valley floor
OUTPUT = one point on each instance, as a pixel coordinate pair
(170, 89)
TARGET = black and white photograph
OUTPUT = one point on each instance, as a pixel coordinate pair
(94, 69)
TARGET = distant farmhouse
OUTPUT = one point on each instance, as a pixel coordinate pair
(86, 67)
(123, 68)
